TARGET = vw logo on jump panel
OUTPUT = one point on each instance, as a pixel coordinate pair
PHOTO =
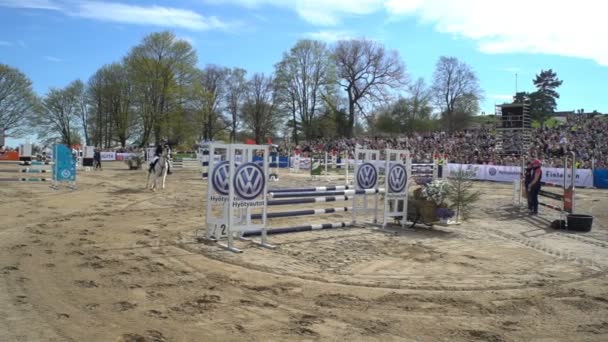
(249, 181)
(493, 171)
(367, 176)
(219, 178)
(397, 178)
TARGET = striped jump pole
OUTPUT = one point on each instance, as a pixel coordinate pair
(28, 170)
(26, 180)
(36, 179)
(329, 193)
(553, 185)
(556, 208)
(315, 189)
(551, 195)
(305, 212)
(292, 201)
(297, 229)
(35, 162)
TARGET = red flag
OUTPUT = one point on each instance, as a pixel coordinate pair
(270, 141)
(249, 141)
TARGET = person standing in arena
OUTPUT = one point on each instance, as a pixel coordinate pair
(97, 159)
(527, 180)
(535, 185)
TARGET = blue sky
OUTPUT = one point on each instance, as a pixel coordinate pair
(57, 41)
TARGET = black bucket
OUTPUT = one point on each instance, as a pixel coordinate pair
(580, 223)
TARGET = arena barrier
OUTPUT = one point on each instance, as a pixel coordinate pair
(238, 198)
(62, 169)
(186, 163)
(422, 172)
(566, 199)
(322, 164)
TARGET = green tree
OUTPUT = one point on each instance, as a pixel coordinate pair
(111, 106)
(544, 99)
(161, 70)
(460, 194)
(17, 100)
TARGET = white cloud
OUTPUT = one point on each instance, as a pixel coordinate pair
(150, 15)
(125, 13)
(53, 59)
(5, 43)
(318, 12)
(557, 27)
(31, 4)
(329, 36)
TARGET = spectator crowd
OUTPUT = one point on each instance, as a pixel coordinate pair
(583, 134)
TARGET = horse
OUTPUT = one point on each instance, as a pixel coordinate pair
(159, 170)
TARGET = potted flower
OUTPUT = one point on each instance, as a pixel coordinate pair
(434, 194)
(444, 214)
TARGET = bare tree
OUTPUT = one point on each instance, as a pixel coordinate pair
(368, 73)
(210, 93)
(59, 114)
(17, 99)
(236, 85)
(420, 99)
(453, 83)
(259, 111)
(82, 108)
(301, 79)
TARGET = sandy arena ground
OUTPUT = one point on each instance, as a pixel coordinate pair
(113, 262)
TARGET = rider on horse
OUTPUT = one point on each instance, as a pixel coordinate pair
(159, 151)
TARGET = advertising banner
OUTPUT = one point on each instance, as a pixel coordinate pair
(126, 156)
(478, 172)
(584, 177)
(12, 155)
(108, 156)
(507, 174)
(498, 173)
(600, 179)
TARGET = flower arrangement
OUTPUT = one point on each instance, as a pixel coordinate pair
(134, 162)
(436, 191)
(445, 213)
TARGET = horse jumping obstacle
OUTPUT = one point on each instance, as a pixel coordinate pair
(567, 199)
(62, 169)
(235, 191)
(298, 229)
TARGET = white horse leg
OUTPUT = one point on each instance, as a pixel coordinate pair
(165, 174)
(148, 180)
(154, 178)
